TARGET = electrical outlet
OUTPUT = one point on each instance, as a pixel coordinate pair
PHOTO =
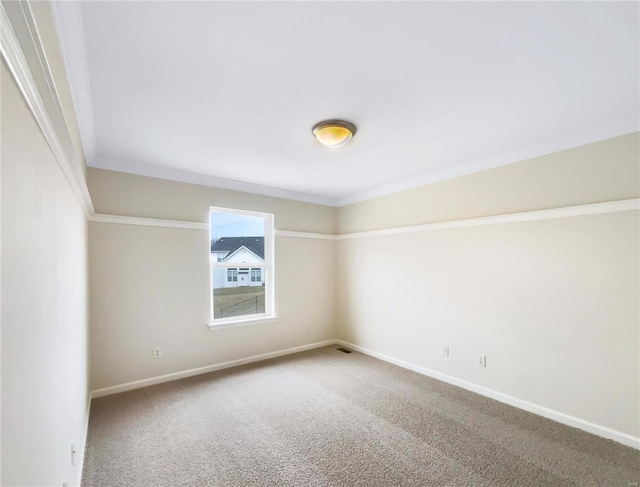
(445, 352)
(482, 360)
(157, 352)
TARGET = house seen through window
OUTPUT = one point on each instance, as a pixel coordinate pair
(241, 265)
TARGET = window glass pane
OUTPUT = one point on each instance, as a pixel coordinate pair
(240, 274)
(237, 238)
(236, 294)
(256, 275)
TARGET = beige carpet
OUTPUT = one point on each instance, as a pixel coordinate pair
(325, 418)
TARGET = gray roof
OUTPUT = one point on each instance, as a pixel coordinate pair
(231, 244)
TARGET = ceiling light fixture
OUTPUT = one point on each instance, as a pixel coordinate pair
(334, 133)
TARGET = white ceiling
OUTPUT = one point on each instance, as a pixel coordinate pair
(226, 93)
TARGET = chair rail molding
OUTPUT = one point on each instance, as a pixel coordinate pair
(591, 209)
(570, 211)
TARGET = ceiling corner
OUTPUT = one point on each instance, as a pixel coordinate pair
(70, 30)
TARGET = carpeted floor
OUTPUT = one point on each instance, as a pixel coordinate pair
(326, 418)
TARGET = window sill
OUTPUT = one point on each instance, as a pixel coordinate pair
(229, 323)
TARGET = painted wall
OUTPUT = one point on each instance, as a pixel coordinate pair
(593, 173)
(553, 304)
(150, 285)
(540, 299)
(44, 306)
(116, 193)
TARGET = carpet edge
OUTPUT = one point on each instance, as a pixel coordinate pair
(138, 384)
(557, 416)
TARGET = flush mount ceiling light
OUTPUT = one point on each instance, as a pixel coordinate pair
(334, 133)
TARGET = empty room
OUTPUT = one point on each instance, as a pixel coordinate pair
(320, 243)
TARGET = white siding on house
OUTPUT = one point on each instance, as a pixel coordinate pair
(220, 277)
(243, 255)
(218, 256)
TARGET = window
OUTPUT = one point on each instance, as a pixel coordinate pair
(256, 275)
(241, 266)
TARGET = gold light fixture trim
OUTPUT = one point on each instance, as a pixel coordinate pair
(334, 133)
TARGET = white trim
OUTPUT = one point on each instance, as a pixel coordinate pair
(241, 321)
(557, 416)
(147, 222)
(269, 281)
(25, 56)
(585, 137)
(237, 265)
(71, 34)
(205, 370)
(171, 174)
(616, 129)
(155, 222)
(321, 236)
(237, 211)
(594, 209)
(80, 455)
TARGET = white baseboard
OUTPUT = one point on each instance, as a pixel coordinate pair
(557, 416)
(203, 370)
(83, 448)
(566, 419)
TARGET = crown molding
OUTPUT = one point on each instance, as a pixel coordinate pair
(69, 25)
(67, 17)
(70, 29)
(577, 139)
(171, 174)
(590, 136)
(24, 54)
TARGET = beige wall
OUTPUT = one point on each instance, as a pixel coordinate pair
(553, 304)
(116, 193)
(150, 285)
(44, 306)
(594, 173)
(541, 299)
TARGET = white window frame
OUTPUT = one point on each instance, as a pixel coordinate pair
(267, 267)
